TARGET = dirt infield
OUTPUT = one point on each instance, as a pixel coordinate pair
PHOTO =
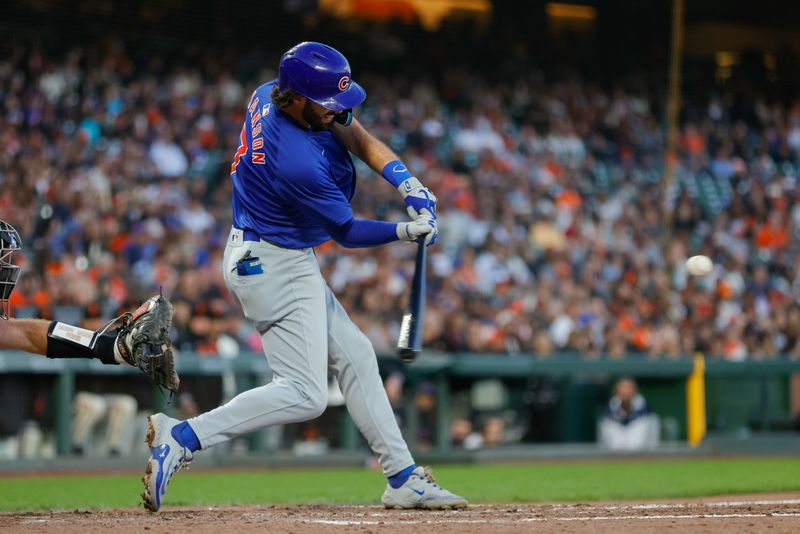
(759, 513)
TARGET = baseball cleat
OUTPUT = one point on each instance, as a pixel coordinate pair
(421, 491)
(167, 457)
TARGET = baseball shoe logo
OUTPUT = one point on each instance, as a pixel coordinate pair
(344, 83)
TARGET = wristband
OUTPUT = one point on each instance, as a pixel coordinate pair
(67, 341)
(395, 172)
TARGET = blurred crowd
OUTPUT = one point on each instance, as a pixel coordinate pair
(561, 229)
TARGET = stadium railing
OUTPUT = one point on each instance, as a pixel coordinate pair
(732, 386)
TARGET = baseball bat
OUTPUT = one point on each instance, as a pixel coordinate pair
(409, 343)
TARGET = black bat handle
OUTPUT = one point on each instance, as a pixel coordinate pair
(417, 299)
(408, 350)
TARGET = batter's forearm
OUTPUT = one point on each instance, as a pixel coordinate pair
(28, 335)
(377, 155)
(368, 148)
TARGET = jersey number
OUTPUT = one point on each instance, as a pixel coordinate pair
(258, 158)
(242, 149)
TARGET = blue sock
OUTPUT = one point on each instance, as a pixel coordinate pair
(400, 478)
(184, 434)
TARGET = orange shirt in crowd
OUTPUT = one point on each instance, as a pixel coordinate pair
(770, 236)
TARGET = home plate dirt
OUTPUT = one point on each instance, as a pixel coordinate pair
(759, 513)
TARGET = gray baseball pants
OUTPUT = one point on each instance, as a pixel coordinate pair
(304, 331)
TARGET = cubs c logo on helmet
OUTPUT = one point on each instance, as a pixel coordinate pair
(344, 83)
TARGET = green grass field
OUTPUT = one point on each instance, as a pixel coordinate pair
(558, 482)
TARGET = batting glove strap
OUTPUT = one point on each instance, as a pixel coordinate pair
(410, 186)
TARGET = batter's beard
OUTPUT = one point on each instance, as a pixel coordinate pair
(314, 120)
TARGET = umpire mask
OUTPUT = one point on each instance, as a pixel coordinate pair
(9, 243)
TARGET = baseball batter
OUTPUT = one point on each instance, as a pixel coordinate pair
(293, 179)
(142, 341)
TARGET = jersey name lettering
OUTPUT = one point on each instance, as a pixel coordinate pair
(257, 143)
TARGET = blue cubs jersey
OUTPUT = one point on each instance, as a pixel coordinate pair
(289, 182)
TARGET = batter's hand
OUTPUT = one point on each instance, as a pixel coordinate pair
(422, 226)
(417, 197)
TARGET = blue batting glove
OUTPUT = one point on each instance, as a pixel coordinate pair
(417, 197)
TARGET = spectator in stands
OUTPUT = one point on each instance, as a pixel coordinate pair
(493, 432)
(627, 423)
(115, 171)
(462, 435)
(425, 402)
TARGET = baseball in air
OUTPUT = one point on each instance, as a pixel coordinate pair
(699, 265)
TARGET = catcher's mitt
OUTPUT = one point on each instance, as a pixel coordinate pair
(143, 342)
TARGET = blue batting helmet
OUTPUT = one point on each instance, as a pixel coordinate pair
(321, 74)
